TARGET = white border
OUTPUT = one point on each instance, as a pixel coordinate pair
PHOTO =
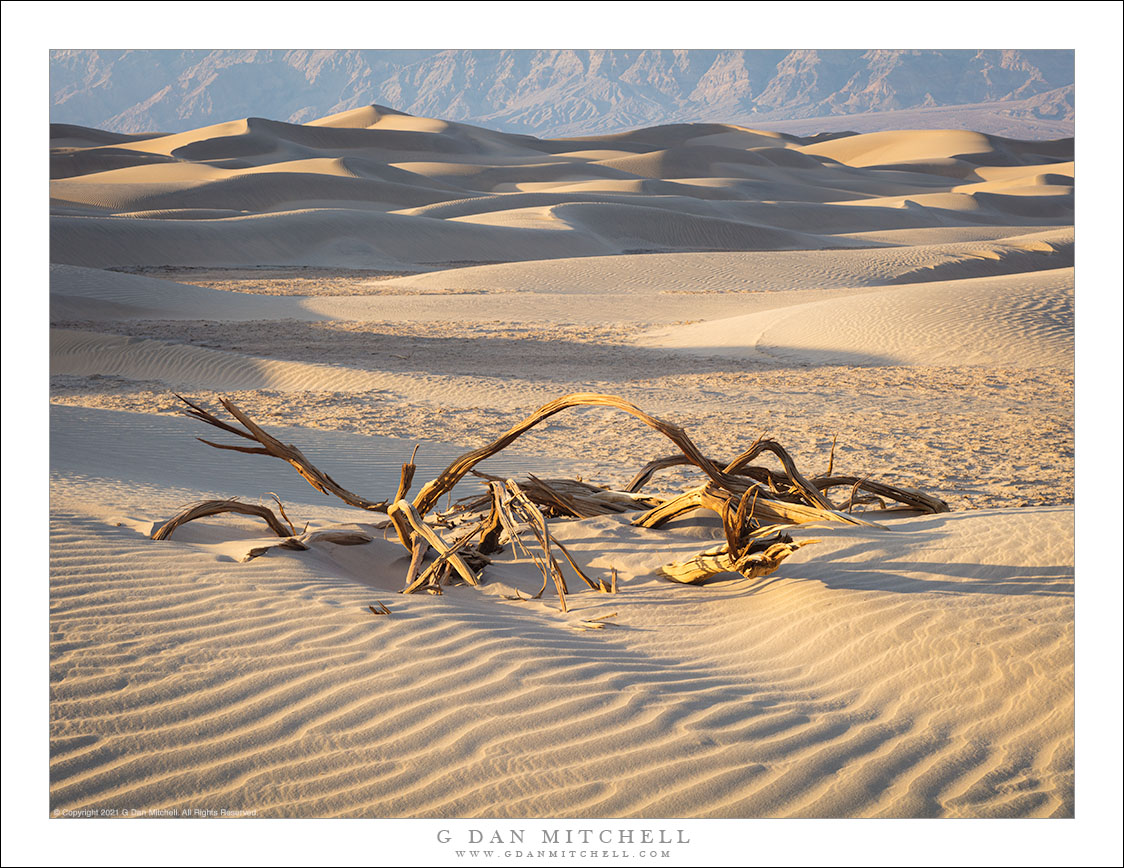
(1093, 29)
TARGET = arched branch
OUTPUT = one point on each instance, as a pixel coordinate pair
(451, 475)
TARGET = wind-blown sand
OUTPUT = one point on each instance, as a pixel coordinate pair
(374, 279)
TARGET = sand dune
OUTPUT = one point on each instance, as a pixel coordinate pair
(692, 161)
(185, 193)
(915, 147)
(672, 135)
(1046, 203)
(110, 360)
(253, 192)
(762, 271)
(1018, 320)
(312, 236)
(900, 301)
(519, 294)
(83, 353)
(91, 293)
(628, 225)
(850, 661)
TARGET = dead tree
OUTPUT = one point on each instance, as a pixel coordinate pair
(754, 503)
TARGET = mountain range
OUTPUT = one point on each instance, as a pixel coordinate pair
(557, 93)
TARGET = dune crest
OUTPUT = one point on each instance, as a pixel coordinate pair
(696, 182)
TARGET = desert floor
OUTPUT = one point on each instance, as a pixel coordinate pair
(373, 280)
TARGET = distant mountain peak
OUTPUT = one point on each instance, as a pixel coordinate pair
(571, 92)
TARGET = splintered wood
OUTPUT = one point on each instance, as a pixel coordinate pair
(755, 504)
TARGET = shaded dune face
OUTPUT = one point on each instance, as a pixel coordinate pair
(681, 187)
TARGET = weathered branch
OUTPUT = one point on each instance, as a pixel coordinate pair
(908, 497)
(218, 507)
(810, 492)
(304, 541)
(765, 510)
(493, 525)
(420, 548)
(287, 538)
(718, 559)
(404, 511)
(270, 445)
(451, 475)
(644, 475)
(407, 477)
